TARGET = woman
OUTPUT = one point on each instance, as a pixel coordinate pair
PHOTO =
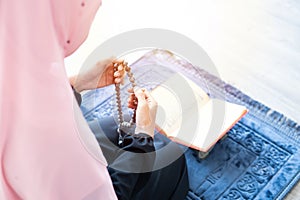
(47, 150)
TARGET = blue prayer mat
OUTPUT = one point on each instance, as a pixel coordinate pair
(260, 157)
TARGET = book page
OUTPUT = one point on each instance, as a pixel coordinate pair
(214, 121)
(186, 113)
(174, 96)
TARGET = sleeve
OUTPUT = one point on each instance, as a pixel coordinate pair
(77, 96)
(132, 167)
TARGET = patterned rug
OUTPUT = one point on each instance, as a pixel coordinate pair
(260, 157)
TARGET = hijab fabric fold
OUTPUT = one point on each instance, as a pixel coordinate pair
(47, 151)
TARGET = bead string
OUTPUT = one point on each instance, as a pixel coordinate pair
(121, 121)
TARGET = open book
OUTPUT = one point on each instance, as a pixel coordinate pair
(187, 115)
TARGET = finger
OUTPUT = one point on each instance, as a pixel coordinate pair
(120, 68)
(148, 95)
(131, 98)
(118, 80)
(130, 101)
(132, 106)
(151, 101)
(143, 116)
(139, 92)
(118, 77)
(140, 95)
(142, 105)
(122, 74)
(117, 74)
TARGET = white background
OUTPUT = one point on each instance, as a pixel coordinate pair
(254, 44)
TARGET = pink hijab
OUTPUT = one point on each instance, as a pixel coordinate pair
(47, 151)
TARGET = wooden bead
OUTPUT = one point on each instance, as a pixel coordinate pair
(127, 69)
(132, 79)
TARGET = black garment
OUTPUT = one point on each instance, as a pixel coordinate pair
(121, 161)
(169, 182)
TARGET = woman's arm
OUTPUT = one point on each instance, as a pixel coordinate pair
(100, 75)
(134, 158)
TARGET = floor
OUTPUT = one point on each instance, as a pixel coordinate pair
(255, 44)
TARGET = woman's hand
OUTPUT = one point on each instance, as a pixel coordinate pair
(146, 108)
(100, 75)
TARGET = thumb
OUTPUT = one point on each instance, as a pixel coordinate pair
(151, 102)
(140, 95)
